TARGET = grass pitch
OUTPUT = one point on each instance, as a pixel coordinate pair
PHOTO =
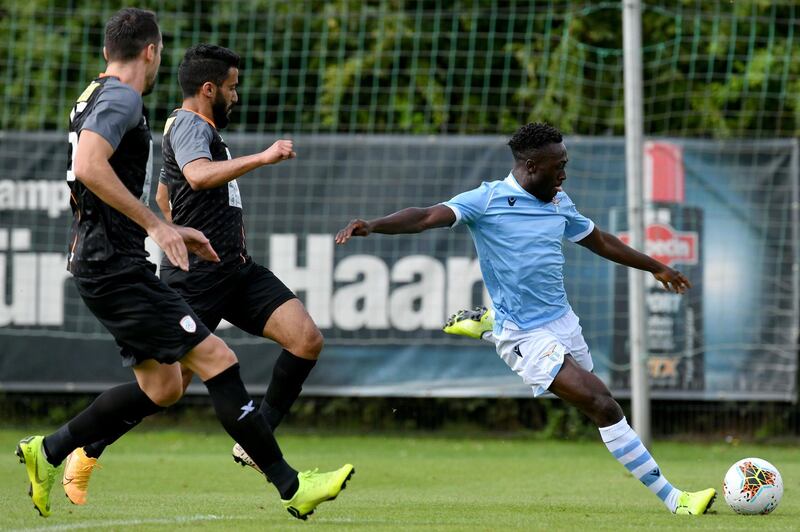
(173, 480)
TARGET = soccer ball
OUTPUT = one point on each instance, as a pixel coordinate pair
(752, 486)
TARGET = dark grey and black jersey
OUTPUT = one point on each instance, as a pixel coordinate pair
(217, 212)
(102, 239)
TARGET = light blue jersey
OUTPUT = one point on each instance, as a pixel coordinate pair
(518, 238)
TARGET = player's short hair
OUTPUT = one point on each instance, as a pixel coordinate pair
(130, 30)
(202, 63)
(531, 137)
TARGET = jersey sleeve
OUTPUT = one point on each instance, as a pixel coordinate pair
(190, 138)
(118, 110)
(469, 206)
(578, 226)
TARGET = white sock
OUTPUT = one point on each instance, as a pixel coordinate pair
(623, 442)
(489, 337)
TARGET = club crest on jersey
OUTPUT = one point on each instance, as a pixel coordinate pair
(550, 351)
(188, 324)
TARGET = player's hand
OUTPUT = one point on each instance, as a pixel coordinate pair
(279, 151)
(197, 243)
(354, 228)
(171, 241)
(673, 280)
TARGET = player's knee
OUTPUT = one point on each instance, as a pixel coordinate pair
(167, 393)
(605, 409)
(313, 343)
(223, 355)
(309, 344)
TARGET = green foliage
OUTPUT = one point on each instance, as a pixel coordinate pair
(715, 69)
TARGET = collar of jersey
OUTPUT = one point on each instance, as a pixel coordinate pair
(210, 122)
(511, 180)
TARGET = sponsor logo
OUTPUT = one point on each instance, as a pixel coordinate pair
(188, 324)
(512, 201)
(356, 292)
(25, 276)
(517, 351)
(651, 476)
(668, 246)
(45, 195)
(246, 409)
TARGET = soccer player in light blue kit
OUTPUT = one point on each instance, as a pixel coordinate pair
(518, 224)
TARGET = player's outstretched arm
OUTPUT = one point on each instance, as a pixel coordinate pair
(612, 248)
(411, 220)
(202, 173)
(91, 167)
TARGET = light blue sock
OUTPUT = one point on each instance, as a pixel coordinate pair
(623, 442)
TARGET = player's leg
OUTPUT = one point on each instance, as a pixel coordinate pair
(589, 394)
(208, 309)
(153, 327)
(292, 328)
(263, 306)
(217, 366)
(93, 451)
(476, 323)
(157, 381)
(108, 414)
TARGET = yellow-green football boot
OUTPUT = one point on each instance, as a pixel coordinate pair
(316, 488)
(41, 473)
(695, 502)
(473, 323)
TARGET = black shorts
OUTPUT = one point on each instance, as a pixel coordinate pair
(246, 295)
(148, 319)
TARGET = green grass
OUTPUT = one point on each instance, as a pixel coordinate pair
(172, 480)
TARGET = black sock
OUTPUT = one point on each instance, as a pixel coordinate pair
(283, 477)
(94, 450)
(111, 413)
(288, 375)
(236, 411)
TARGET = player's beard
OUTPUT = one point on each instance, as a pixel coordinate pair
(221, 112)
(150, 85)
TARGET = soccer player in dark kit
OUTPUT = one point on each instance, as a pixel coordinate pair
(156, 330)
(198, 188)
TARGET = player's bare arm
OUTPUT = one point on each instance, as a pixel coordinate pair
(612, 248)
(196, 242)
(162, 200)
(410, 220)
(204, 173)
(92, 168)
